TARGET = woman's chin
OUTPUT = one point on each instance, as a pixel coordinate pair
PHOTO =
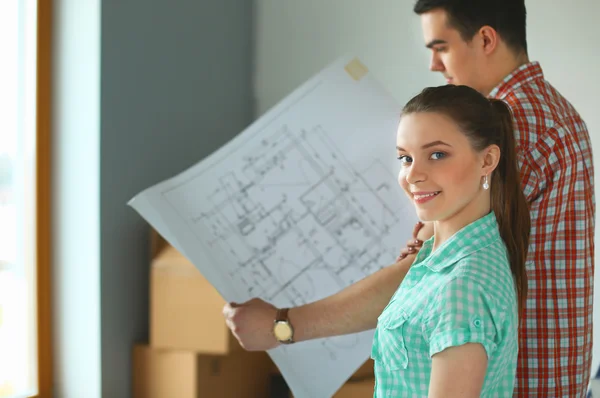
(426, 216)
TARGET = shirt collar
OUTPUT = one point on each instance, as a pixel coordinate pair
(523, 74)
(469, 239)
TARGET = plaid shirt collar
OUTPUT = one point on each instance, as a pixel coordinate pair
(522, 75)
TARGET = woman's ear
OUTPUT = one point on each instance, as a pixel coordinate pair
(491, 158)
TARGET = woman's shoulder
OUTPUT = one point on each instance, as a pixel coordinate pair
(492, 257)
(489, 269)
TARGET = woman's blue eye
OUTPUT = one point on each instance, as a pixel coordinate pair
(405, 159)
(438, 155)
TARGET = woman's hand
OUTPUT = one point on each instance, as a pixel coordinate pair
(421, 232)
(252, 324)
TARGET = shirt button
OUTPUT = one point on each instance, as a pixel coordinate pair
(477, 323)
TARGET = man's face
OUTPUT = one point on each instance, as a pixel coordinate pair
(459, 61)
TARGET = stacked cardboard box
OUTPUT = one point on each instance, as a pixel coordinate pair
(351, 389)
(359, 385)
(192, 353)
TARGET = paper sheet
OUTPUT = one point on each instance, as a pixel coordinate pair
(299, 205)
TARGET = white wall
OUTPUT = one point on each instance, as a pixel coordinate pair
(295, 39)
(76, 195)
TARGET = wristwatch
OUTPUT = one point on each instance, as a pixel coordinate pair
(282, 328)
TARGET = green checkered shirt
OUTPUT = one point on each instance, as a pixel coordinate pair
(462, 292)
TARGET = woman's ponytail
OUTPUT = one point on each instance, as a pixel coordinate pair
(509, 202)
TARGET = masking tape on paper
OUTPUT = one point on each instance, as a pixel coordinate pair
(356, 69)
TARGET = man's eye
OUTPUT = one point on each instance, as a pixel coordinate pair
(438, 155)
(405, 159)
(439, 49)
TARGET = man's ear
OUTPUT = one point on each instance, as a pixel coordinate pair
(489, 39)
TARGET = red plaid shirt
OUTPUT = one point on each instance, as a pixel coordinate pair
(555, 156)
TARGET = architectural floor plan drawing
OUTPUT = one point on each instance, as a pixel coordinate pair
(295, 208)
(329, 224)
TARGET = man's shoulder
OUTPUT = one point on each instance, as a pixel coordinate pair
(539, 108)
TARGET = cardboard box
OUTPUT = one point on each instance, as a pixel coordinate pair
(157, 243)
(185, 309)
(360, 384)
(183, 374)
(354, 389)
(366, 371)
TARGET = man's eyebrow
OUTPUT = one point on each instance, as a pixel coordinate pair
(435, 42)
(434, 143)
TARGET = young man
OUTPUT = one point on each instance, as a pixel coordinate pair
(482, 44)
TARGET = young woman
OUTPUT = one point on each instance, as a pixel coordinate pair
(450, 330)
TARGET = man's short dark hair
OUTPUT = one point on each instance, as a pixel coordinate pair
(507, 17)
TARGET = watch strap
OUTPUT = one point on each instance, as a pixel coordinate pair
(282, 315)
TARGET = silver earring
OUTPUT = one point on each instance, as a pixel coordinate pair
(485, 183)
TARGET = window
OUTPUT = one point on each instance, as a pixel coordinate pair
(21, 321)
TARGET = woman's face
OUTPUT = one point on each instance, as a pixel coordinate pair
(440, 171)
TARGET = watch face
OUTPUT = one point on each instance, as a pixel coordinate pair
(282, 331)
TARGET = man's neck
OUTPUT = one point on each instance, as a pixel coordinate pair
(504, 66)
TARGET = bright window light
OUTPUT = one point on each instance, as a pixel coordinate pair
(18, 351)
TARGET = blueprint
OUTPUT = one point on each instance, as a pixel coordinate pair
(299, 205)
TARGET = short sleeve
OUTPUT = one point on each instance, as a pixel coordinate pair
(551, 160)
(531, 183)
(462, 313)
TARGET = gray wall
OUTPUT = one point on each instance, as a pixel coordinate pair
(174, 85)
